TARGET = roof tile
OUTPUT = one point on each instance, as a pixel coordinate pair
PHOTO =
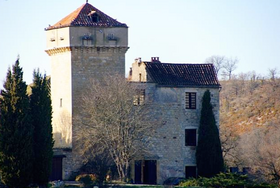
(198, 75)
(82, 17)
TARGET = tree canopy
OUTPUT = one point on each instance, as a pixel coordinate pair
(41, 113)
(16, 131)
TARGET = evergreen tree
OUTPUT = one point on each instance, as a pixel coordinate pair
(16, 131)
(41, 112)
(209, 157)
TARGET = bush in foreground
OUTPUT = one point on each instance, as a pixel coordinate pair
(225, 180)
(86, 179)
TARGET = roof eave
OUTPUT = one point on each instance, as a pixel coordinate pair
(63, 26)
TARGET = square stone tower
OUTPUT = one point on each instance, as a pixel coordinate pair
(84, 45)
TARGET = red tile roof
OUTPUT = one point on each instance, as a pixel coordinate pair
(81, 17)
(191, 75)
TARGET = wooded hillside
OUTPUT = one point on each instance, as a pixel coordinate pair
(250, 123)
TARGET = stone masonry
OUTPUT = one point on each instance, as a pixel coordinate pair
(85, 45)
(88, 44)
(168, 103)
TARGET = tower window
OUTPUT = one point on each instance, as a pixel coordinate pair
(87, 40)
(94, 17)
(112, 37)
(60, 103)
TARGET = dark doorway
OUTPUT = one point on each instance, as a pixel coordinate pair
(190, 172)
(138, 172)
(150, 172)
(146, 172)
(56, 168)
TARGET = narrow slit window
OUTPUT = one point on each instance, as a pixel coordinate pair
(60, 103)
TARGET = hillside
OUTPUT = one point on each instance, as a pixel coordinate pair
(245, 104)
(250, 125)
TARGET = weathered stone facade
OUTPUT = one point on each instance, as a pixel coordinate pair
(87, 45)
(168, 103)
(83, 46)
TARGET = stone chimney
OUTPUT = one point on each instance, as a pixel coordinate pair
(155, 60)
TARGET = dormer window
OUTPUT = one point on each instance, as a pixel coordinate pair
(94, 17)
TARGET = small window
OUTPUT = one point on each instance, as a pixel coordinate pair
(140, 77)
(94, 17)
(60, 102)
(190, 137)
(87, 40)
(139, 98)
(190, 172)
(112, 37)
(190, 100)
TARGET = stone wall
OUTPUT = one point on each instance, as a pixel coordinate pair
(71, 161)
(61, 86)
(168, 146)
(79, 55)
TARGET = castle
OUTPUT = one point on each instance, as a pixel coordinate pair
(88, 43)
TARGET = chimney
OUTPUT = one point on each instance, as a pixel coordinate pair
(155, 60)
(138, 60)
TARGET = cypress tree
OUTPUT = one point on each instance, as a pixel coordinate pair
(16, 131)
(41, 112)
(209, 157)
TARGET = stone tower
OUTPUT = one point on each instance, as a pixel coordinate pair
(82, 46)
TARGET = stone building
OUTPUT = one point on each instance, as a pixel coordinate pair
(175, 91)
(84, 45)
(88, 43)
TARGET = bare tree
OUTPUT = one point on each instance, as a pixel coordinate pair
(229, 66)
(260, 150)
(229, 141)
(113, 122)
(217, 61)
(272, 73)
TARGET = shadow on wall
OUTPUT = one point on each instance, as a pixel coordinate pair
(62, 131)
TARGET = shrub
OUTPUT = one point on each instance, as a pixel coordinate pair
(86, 179)
(222, 180)
(225, 180)
(262, 185)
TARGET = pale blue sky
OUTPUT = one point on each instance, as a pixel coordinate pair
(175, 30)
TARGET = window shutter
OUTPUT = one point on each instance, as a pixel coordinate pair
(190, 99)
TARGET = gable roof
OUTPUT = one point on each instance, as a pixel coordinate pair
(169, 74)
(82, 17)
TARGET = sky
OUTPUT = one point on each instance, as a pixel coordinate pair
(176, 31)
